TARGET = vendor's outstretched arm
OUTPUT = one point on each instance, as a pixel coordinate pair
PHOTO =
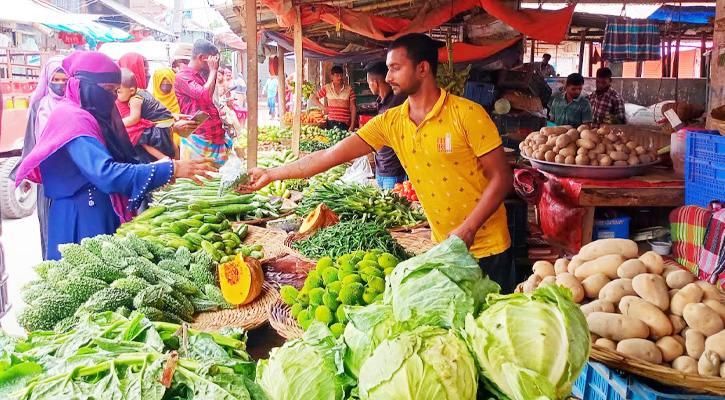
(319, 161)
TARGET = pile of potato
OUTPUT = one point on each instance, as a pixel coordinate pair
(584, 146)
(639, 307)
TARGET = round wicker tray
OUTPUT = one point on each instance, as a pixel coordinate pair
(294, 237)
(665, 375)
(421, 224)
(272, 241)
(248, 316)
(413, 243)
(282, 321)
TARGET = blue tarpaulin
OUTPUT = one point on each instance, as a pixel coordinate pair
(93, 32)
(687, 14)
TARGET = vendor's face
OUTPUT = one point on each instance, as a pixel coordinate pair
(574, 91)
(603, 84)
(337, 79)
(373, 84)
(404, 76)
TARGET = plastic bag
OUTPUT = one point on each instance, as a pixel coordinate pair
(359, 172)
(233, 172)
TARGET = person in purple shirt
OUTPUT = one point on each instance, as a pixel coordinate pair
(388, 169)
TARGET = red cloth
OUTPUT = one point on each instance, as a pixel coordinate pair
(549, 26)
(134, 131)
(137, 64)
(468, 52)
(529, 184)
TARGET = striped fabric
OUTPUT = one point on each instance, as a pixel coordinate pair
(688, 225)
(338, 103)
(712, 262)
(631, 40)
(206, 149)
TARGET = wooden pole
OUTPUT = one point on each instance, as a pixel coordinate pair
(533, 50)
(703, 49)
(297, 125)
(252, 83)
(638, 72)
(281, 86)
(676, 62)
(591, 55)
(581, 50)
(663, 57)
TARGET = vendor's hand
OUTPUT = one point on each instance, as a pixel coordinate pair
(213, 62)
(193, 169)
(185, 127)
(465, 233)
(258, 178)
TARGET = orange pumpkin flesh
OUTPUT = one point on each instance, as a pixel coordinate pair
(241, 280)
(320, 217)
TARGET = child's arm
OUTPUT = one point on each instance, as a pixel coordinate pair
(134, 117)
(159, 155)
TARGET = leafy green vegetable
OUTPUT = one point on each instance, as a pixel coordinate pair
(530, 345)
(439, 287)
(306, 368)
(368, 327)
(427, 363)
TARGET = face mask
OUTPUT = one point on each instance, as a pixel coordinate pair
(166, 88)
(96, 100)
(58, 88)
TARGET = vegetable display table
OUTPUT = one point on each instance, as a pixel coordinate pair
(566, 209)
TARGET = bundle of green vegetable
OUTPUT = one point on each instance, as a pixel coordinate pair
(314, 145)
(271, 159)
(187, 195)
(355, 201)
(349, 280)
(276, 188)
(273, 133)
(107, 356)
(113, 273)
(347, 237)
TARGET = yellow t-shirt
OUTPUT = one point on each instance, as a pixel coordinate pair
(440, 157)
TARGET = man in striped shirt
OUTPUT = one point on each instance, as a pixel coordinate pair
(339, 102)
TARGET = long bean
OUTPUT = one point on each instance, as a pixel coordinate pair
(347, 237)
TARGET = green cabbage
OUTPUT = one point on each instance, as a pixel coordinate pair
(439, 287)
(307, 368)
(368, 327)
(427, 363)
(530, 345)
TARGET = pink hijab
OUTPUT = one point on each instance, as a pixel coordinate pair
(46, 98)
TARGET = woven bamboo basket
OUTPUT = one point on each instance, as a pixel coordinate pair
(413, 243)
(421, 224)
(249, 316)
(291, 250)
(664, 375)
(282, 321)
(272, 241)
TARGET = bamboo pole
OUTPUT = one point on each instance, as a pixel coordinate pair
(281, 85)
(297, 124)
(252, 83)
(583, 36)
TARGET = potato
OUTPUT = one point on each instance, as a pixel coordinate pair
(668, 269)
(716, 306)
(679, 279)
(606, 343)
(631, 268)
(549, 156)
(709, 364)
(603, 130)
(640, 348)
(672, 293)
(616, 327)
(716, 343)
(572, 283)
(582, 159)
(624, 247)
(685, 364)
(522, 144)
(684, 330)
(563, 141)
(567, 151)
(680, 339)
(652, 288)
(653, 261)
(670, 348)
(597, 306)
(622, 149)
(592, 155)
(576, 261)
(633, 160)
(645, 159)
(616, 289)
(528, 151)
(586, 143)
(695, 343)
(688, 294)
(657, 322)
(702, 318)
(709, 291)
(570, 160)
(605, 161)
(573, 134)
(618, 156)
(607, 264)
(593, 284)
(631, 144)
(612, 136)
(640, 150)
(560, 266)
(547, 280)
(543, 269)
(532, 283)
(539, 155)
(722, 370)
(589, 135)
(582, 128)
(678, 323)
(559, 159)
(582, 151)
(599, 149)
(553, 130)
(620, 163)
(540, 139)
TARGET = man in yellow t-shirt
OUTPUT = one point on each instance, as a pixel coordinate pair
(449, 147)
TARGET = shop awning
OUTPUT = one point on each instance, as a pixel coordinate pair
(685, 14)
(230, 39)
(134, 16)
(94, 31)
(314, 51)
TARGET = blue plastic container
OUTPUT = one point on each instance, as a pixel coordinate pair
(598, 382)
(481, 93)
(704, 167)
(611, 228)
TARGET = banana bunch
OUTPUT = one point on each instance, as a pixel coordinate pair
(451, 80)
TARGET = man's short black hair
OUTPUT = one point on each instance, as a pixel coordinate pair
(604, 73)
(203, 47)
(420, 48)
(575, 79)
(546, 55)
(377, 68)
(128, 79)
(336, 70)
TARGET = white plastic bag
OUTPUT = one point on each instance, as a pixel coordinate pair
(359, 172)
(233, 172)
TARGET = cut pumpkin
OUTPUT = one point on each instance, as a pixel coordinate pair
(320, 217)
(241, 280)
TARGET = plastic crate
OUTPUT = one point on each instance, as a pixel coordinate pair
(704, 167)
(7, 87)
(611, 228)
(518, 124)
(516, 214)
(479, 92)
(598, 382)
